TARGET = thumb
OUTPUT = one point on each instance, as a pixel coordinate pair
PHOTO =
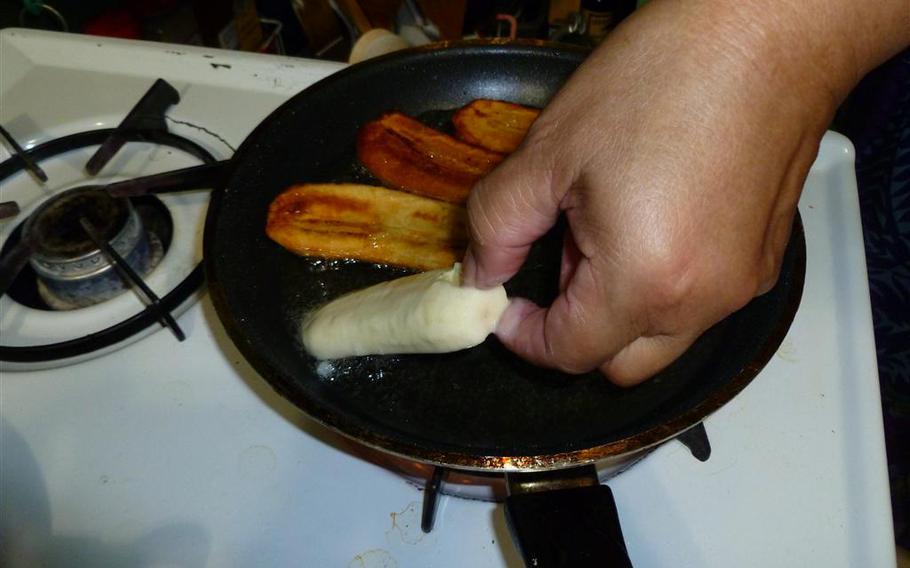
(508, 210)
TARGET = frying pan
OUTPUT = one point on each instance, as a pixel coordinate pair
(478, 409)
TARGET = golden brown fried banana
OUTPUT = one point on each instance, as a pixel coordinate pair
(368, 223)
(495, 125)
(406, 154)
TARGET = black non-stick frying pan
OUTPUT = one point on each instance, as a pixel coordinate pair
(482, 408)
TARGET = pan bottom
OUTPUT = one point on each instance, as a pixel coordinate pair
(477, 485)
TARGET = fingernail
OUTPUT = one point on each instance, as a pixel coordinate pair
(518, 310)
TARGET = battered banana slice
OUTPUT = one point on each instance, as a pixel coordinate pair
(429, 312)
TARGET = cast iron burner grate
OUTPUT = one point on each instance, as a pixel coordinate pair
(144, 123)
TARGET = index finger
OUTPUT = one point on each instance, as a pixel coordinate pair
(507, 211)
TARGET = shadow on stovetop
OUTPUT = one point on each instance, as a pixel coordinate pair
(266, 394)
(27, 521)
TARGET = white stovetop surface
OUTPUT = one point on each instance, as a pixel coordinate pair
(178, 454)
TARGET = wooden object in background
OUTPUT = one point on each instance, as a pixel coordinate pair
(229, 25)
(356, 15)
(448, 15)
(561, 9)
(380, 13)
(319, 23)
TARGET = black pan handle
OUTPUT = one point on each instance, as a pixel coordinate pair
(206, 176)
(565, 518)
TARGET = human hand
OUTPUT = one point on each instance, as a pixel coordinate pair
(677, 151)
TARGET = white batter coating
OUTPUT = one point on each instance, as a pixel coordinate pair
(424, 313)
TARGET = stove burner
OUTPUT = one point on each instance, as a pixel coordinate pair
(29, 290)
(68, 270)
(61, 242)
(55, 226)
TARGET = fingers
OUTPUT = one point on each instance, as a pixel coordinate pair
(644, 358)
(777, 234)
(507, 211)
(577, 333)
(775, 246)
(534, 334)
(629, 328)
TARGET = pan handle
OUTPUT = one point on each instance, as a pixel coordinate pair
(565, 518)
(206, 176)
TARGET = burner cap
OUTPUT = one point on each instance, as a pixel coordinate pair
(55, 226)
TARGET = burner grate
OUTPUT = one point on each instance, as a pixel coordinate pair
(144, 123)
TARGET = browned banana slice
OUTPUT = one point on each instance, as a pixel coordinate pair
(368, 223)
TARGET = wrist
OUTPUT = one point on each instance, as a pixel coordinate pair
(822, 46)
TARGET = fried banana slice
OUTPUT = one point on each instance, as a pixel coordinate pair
(368, 223)
(495, 125)
(408, 155)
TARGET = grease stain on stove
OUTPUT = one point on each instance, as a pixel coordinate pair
(407, 524)
(179, 391)
(787, 351)
(375, 558)
(111, 481)
(256, 462)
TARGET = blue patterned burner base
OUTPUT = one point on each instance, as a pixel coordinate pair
(74, 294)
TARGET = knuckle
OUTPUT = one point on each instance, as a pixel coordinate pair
(680, 279)
(571, 367)
(565, 356)
(669, 278)
(570, 341)
(571, 363)
(481, 225)
(543, 131)
(622, 375)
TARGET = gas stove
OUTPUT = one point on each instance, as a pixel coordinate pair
(149, 450)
